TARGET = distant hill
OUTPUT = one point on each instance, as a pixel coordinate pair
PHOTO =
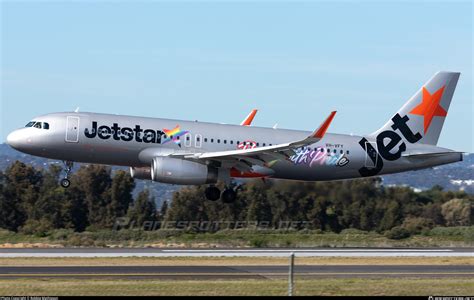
(457, 176)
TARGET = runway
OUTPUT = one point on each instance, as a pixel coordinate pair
(250, 252)
(225, 272)
(213, 272)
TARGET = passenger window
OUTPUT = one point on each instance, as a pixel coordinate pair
(231, 142)
(225, 141)
(342, 152)
(257, 144)
(347, 152)
(263, 144)
(38, 125)
(238, 142)
(335, 151)
(188, 138)
(205, 140)
(322, 149)
(212, 140)
(218, 141)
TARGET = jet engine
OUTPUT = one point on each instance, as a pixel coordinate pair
(180, 171)
(141, 173)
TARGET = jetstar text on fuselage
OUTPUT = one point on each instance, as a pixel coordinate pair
(125, 134)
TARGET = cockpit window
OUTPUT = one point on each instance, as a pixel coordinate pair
(40, 125)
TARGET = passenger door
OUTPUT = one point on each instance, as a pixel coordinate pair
(72, 129)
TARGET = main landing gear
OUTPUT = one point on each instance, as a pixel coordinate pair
(65, 183)
(213, 194)
(228, 195)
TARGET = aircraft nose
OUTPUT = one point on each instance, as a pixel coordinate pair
(14, 139)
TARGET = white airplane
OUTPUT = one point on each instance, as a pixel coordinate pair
(195, 153)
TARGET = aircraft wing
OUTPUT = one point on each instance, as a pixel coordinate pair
(243, 159)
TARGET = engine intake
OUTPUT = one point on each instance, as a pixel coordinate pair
(180, 171)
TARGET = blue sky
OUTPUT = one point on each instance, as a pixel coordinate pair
(215, 61)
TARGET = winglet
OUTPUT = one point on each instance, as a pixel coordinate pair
(248, 120)
(319, 133)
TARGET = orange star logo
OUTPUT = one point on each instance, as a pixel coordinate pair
(429, 107)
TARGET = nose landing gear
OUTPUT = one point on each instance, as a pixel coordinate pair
(65, 183)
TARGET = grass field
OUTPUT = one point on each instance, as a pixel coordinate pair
(272, 287)
(327, 287)
(436, 237)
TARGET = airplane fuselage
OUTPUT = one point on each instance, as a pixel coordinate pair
(135, 141)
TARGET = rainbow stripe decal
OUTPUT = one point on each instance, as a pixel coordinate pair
(173, 135)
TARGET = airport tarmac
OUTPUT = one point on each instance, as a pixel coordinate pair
(247, 252)
(212, 272)
(226, 272)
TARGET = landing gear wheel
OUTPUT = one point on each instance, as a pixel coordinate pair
(65, 183)
(229, 196)
(212, 193)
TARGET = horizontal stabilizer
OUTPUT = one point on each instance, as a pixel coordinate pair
(429, 154)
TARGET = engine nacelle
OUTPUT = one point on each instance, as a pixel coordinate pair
(180, 171)
(141, 173)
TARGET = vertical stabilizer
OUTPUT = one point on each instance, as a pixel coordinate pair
(425, 112)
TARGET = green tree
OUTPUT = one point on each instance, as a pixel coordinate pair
(317, 215)
(259, 208)
(143, 210)
(21, 191)
(188, 205)
(94, 182)
(163, 210)
(48, 207)
(74, 209)
(457, 212)
(392, 216)
(120, 195)
(12, 216)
